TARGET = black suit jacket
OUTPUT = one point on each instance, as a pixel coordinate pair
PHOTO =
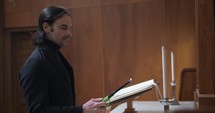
(47, 81)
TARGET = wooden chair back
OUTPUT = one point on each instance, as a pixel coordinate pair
(187, 84)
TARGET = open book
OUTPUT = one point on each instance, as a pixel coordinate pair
(132, 91)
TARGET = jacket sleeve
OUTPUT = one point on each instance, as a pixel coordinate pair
(34, 82)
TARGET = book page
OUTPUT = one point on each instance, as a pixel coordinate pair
(134, 89)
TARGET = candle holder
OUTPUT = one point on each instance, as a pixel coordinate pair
(173, 101)
(165, 102)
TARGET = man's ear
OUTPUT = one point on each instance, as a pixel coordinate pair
(46, 27)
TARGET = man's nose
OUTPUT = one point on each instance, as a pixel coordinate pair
(69, 33)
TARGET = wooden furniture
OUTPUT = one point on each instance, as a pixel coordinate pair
(197, 111)
(205, 33)
(187, 84)
(130, 108)
(154, 107)
(157, 107)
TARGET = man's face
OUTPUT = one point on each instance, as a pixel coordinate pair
(60, 31)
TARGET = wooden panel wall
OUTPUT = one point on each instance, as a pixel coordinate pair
(87, 56)
(114, 40)
(205, 93)
(129, 49)
(1, 51)
(6, 78)
(124, 39)
(206, 45)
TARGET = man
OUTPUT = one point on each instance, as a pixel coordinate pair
(46, 77)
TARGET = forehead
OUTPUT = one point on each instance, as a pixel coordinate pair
(64, 20)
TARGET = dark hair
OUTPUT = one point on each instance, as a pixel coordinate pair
(50, 15)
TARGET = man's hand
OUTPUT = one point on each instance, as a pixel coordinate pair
(94, 106)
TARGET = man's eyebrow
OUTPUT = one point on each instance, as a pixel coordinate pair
(64, 25)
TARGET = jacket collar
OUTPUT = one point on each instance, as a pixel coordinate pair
(49, 44)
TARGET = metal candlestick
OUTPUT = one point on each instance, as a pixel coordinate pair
(173, 101)
(167, 102)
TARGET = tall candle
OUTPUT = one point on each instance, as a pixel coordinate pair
(172, 67)
(164, 72)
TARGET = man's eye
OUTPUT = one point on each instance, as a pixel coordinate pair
(64, 28)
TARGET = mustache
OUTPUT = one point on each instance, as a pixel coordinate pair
(67, 37)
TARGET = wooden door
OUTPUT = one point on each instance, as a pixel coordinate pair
(21, 48)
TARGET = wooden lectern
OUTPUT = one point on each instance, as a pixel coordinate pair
(130, 108)
(129, 100)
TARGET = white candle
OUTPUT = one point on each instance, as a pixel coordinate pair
(172, 67)
(164, 72)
